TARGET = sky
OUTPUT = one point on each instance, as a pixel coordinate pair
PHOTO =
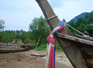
(18, 14)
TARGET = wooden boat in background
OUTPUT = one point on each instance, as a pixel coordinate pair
(78, 49)
(11, 48)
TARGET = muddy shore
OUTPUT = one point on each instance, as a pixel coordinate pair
(31, 59)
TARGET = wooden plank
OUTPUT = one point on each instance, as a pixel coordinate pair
(84, 41)
(11, 48)
(87, 38)
(37, 55)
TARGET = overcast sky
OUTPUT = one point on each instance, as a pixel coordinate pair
(18, 14)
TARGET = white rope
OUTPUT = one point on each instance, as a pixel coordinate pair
(51, 17)
(49, 45)
(55, 29)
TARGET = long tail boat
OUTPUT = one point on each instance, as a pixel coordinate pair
(11, 48)
(78, 49)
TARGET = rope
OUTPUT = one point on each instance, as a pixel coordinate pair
(74, 29)
(50, 62)
(51, 17)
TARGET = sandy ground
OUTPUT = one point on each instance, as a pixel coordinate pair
(31, 59)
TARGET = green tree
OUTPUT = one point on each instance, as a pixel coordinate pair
(64, 20)
(39, 29)
(2, 22)
(82, 24)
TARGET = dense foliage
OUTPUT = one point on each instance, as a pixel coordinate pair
(2, 22)
(44, 46)
(82, 24)
(8, 36)
(39, 30)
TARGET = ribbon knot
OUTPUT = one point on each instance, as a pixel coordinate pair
(50, 63)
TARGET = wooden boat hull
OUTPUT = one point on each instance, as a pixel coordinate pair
(6, 48)
(78, 50)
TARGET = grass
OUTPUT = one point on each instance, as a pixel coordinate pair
(58, 48)
(43, 47)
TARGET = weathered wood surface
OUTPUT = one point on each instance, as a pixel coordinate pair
(10, 48)
(76, 39)
(37, 55)
(79, 54)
